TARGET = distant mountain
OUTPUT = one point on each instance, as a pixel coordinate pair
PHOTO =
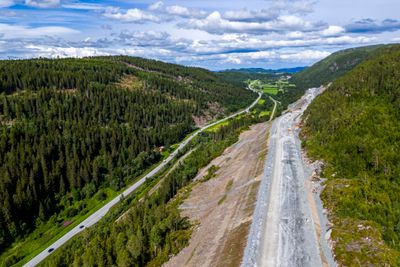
(267, 71)
(336, 65)
(354, 127)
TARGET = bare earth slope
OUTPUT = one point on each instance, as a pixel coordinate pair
(223, 206)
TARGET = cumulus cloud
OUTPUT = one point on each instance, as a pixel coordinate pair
(373, 26)
(251, 15)
(171, 11)
(307, 55)
(229, 43)
(333, 31)
(43, 3)
(54, 52)
(258, 57)
(215, 23)
(131, 15)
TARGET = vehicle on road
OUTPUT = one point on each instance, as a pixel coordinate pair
(50, 250)
(81, 226)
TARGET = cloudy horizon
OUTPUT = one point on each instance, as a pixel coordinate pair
(211, 34)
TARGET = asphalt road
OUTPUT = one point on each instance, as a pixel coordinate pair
(274, 109)
(95, 217)
(283, 231)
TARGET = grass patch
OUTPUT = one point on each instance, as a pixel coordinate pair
(222, 200)
(216, 127)
(229, 185)
(261, 101)
(232, 252)
(211, 173)
(264, 113)
(268, 89)
(130, 82)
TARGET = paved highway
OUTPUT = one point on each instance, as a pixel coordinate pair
(283, 232)
(95, 217)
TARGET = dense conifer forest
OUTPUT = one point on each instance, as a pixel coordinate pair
(69, 127)
(151, 229)
(354, 126)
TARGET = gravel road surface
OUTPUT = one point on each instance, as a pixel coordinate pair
(284, 228)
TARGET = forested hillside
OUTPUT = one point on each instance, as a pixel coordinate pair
(69, 127)
(152, 229)
(354, 126)
(336, 65)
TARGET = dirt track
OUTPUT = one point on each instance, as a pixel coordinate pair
(223, 206)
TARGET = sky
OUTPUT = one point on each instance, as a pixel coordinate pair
(215, 34)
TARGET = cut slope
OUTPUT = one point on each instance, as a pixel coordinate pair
(355, 128)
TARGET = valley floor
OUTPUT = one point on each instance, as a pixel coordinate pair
(222, 207)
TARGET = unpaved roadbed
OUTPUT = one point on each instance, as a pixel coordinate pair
(223, 206)
(287, 228)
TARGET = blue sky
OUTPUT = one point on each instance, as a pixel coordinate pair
(215, 34)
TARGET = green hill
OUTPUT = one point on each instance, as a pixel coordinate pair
(354, 126)
(72, 127)
(336, 65)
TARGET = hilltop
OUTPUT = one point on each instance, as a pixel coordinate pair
(336, 65)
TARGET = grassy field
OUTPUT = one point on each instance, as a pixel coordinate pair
(276, 87)
(264, 114)
(270, 89)
(217, 126)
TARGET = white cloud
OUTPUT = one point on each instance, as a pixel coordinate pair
(131, 15)
(43, 3)
(156, 6)
(214, 23)
(54, 52)
(169, 12)
(228, 43)
(17, 31)
(333, 31)
(7, 3)
(178, 10)
(83, 6)
(251, 15)
(306, 55)
(295, 35)
(265, 57)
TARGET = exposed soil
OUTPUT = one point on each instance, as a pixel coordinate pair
(222, 207)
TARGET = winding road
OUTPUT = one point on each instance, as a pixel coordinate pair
(95, 217)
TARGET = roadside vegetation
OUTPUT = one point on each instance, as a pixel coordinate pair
(354, 128)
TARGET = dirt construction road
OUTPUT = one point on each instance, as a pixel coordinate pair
(286, 229)
(223, 206)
